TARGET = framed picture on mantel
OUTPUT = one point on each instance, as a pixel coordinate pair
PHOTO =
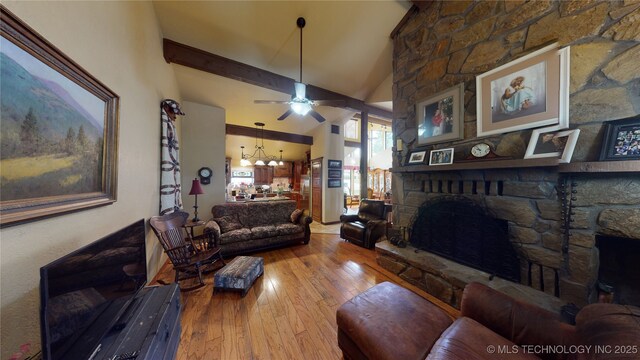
(440, 117)
(621, 140)
(529, 92)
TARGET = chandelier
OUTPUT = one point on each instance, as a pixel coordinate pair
(259, 156)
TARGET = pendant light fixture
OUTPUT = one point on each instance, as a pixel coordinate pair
(259, 155)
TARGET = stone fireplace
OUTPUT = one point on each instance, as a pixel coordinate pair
(459, 229)
(553, 220)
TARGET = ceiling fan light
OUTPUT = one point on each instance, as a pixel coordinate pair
(301, 108)
(272, 163)
(259, 162)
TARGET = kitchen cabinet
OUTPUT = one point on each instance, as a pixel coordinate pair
(283, 170)
(262, 175)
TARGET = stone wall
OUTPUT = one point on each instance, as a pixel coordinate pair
(453, 41)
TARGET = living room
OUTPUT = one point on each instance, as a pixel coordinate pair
(120, 43)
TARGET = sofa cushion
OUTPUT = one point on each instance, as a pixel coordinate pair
(260, 232)
(612, 325)
(467, 339)
(287, 229)
(228, 223)
(295, 215)
(390, 322)
(269, 213)
(235, 236)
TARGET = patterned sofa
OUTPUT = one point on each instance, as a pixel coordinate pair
(239, 228)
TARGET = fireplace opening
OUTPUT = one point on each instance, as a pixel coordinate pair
(457, 228)
(619, 269)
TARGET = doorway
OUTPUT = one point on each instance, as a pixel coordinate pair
(316, 190)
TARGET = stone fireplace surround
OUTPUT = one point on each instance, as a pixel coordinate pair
(556, 268)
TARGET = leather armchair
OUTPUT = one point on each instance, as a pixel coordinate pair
(366, 228)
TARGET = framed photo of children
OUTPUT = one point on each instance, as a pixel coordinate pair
(529, 92)
(621, 140)
(440, 117)
(548, 142)
(59, 127)
(441, 157)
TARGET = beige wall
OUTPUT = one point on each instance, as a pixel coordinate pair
(120, 44)
(329, 146)
(203, 131)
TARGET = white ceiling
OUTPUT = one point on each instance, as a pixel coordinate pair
(346, 49)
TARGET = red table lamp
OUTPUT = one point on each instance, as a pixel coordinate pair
(196, 190)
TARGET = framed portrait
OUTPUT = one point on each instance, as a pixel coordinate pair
(530, 92)
(441, 157)
(621, 139)
(440, 118)
(59, 128)
(417, 157)
(334, 164)
(548, 142)
(335, 174)
(334, 183)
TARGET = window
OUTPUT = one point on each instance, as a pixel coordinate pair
(351, 130)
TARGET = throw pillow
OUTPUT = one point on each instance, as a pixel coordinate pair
(228, 223)
(295, 215)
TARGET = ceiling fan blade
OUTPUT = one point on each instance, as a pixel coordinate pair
(286, 113)
(338, 103)
(317, 116)
(270, 102)
(301, 90)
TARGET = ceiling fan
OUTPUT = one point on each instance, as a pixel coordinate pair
(299, 102)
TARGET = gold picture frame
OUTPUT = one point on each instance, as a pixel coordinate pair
(70, 122)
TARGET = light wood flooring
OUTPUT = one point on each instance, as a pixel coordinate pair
(290, 312)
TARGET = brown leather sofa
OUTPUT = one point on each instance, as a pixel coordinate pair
(390, 322)
(366, 228)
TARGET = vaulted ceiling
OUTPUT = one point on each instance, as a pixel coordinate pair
(346, 49)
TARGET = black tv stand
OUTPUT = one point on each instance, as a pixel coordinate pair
(150, 326)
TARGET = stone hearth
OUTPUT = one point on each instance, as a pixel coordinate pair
(445, 279)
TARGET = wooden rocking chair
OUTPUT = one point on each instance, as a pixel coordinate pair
(188, 255)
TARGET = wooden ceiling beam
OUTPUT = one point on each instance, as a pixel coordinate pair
(422, 4)
(268, 134)
(186, 55)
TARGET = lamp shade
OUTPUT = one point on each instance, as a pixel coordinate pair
(196, 189)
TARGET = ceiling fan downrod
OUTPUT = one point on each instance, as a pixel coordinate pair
(301, 23)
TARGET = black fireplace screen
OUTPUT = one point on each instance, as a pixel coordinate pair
(463, 231)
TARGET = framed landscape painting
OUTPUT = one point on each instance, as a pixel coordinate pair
(58, 128)
(529, 92)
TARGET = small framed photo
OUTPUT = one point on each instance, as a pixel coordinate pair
(440, 117)
(334, 164)
(334, 183)
(526, 93)
(335, 174)
(441, 157)
(621, 140)
(417, 157)
(550, 143)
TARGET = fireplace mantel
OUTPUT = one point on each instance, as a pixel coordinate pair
(577, 167)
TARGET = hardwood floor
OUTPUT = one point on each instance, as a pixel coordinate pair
(290, 312)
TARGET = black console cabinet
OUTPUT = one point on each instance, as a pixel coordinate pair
(151, 325)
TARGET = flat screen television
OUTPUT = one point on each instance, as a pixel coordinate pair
(84, 295)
